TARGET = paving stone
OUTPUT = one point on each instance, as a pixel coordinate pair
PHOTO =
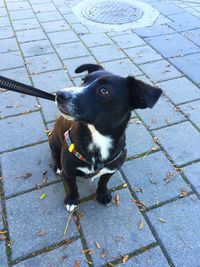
(30, 35)
(167, 8)
(138, 140)
(180, 241)
(87, 187)
(18, 5)
(8, 45)
(142, 54)
(67, 254)
(117, 33)
(71, 18)
(54, 26)
(22, 14)
(193, 35)
(162, 20)
(6, 32)
(63, 9)
(107, 53)
(4, 22)
(162, 114)
(150, 175)
(43, 63)
(128, 40)
(123, 67)
(155, 30)
(184, 22)
(151, 258)
(18, 74)
(3, 11)
(164, 71)
(63, 37)
(34, 216)
(36, 48)
(96, 39)
(116, 241)
(180, 90)
(11, 60)
(192, 111)
(24, 169)
(21, 130)
(52, 81)
(3, 257)
(49, 110)
(25, 24)
(172, 45)
(13, 104)
(44, 7)
(72, 50)
(49, 16)
(72, 64)
(180, 141)
(189, 65)
(79, 28)
(192, 173)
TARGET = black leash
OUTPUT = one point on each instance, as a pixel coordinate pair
(18, 87)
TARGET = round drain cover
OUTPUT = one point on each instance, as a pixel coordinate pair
(112, 12)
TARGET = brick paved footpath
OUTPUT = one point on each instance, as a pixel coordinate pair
(154, 219)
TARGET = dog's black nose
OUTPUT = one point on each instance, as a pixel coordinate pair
(63, 95)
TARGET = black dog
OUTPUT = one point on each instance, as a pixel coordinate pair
(89, 138)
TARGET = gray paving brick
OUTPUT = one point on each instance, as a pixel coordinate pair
(189, 65)
(43, 63)
(11, 60)
(13, 104)
(49, 110)
(52, 81)
(67, 254)
(71, 18)
(192, 173)
(6, 32)
(72, 50)
(18, 5)
(54, 26)
(95, 39)
(34, 216)
(116, 241)
(172, 45)
(49, 16)
(79, 28)
(181, 241)
(162, 20)
(154, 30)
(162, 114)
(63, 37)
(107, 53)
(39, 1)
(8, 45)
(138, 140)
(3, 257)
(149, 174)
(123, 67)
(192, 111)
(4, 22)
(180, 141)
(63, 9)
(30, 35)
(180, 90)
(193, 35)
(22, 14)
(21, 130)
(184, 22)
(18, 74)
(18, 164)
(3, 12)
(160, 71)
(36, 48)
(151, 258)
(72, 64)
(25, 24)
(128, 40)
(117, 33)
(142, 54)
(44, 7)
(167, 8)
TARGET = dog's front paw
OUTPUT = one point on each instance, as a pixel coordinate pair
(71, 204)
(104, 198)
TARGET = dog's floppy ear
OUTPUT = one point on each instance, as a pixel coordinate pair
(89, 67)
(142, 95)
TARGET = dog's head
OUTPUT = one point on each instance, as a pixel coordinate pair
(104, 98)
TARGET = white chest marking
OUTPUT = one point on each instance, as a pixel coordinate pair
(89, 171)
(104, 143)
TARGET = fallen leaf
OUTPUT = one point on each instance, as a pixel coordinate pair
(43, 196)
(25, 176)
(41, 233)
(85, 251)
(91, 252)
(111, 264)
(141, 225)
(184, 193)
(2, 238)
(125, 258)
(76, 263)
(138, 189)
(98, 245)
(103, 253)
(116, 200)
(161, 220)
(125, 185)
(2, 232)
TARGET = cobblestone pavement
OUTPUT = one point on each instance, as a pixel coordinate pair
(154, 219)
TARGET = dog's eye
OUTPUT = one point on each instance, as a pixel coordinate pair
(104, 91)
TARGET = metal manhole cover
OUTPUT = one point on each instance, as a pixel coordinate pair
(112, 12)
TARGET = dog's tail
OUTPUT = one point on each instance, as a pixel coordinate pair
(88, 67)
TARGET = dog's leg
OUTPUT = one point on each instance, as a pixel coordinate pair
(103, 196)
(71, 201)
(56, 153)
